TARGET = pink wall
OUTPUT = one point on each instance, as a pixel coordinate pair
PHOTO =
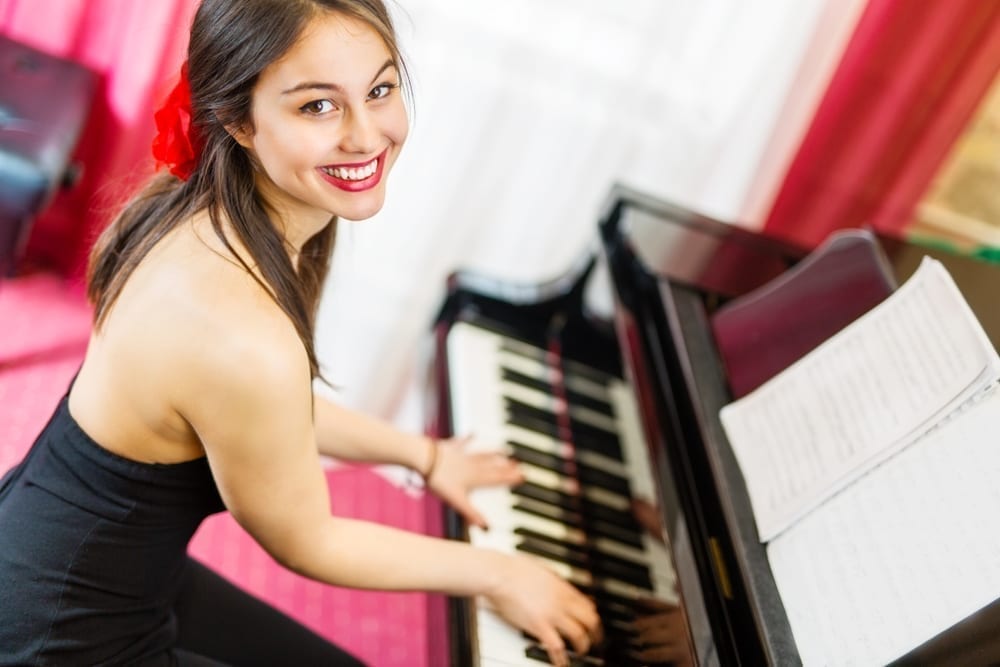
(135, 47)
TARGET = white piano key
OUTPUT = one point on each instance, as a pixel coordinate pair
(538, 370)
(571, 574)
(501, 538)
(607, 498)
(594, 418)
(531, 368)
(602, 463)
(498, 642)
(553, 529)
(623, 589)
(492, 662)
(615, 548)
(634, 448)
(507, 543)
(534, 363)
(503, 520)
(560, 531)
(587, 387)
(550, 479)
(532, 396)
(546, 510)
(473, 371)
(662, 569)
(523, 349)
(493, 502)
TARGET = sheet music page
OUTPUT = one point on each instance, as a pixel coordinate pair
(856, 399)
(908, 551)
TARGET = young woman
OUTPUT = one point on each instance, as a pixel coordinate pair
(196, 391)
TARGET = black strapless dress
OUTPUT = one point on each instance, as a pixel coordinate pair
(92, 546)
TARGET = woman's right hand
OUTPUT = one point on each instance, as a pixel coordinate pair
(533, 598)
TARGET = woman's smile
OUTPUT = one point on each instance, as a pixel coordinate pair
(356, 176)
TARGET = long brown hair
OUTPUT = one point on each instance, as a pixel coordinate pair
(232, 42)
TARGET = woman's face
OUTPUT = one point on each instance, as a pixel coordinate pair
(329, 122)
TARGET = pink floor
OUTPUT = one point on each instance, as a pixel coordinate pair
(43, 331)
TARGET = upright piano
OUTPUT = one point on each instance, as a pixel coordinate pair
(606, 383)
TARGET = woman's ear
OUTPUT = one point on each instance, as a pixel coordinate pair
(242, 135)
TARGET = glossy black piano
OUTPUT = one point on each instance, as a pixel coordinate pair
(606, 384)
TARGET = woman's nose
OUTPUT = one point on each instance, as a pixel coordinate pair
(360, 132)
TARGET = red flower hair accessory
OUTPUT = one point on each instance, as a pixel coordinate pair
(177, 143)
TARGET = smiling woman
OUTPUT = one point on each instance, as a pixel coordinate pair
(195, 395)
(328, 113)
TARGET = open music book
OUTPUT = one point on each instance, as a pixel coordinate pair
(872, 466)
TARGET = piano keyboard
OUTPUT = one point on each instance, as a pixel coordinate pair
(576, 432)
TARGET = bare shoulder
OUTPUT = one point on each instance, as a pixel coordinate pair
(205, 324)
(230, 334)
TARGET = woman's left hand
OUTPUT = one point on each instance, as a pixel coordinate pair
(457, 472)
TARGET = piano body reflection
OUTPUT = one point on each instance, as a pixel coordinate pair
(631, 491)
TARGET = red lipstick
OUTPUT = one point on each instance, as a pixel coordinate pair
(359, 185)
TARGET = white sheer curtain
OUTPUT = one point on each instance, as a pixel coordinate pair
(526, 112)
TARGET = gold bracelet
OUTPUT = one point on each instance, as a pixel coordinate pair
(434, 457)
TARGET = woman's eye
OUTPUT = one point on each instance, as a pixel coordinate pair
(317, 107)
(382, 90)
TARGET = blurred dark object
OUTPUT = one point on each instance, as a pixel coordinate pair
(44, 102)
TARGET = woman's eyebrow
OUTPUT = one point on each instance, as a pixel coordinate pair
(321, 85)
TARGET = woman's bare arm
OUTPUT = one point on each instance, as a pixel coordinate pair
(250, 403)
(457, 470)
(353, 436)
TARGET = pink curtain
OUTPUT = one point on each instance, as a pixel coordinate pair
(910, 79)
(135, 48)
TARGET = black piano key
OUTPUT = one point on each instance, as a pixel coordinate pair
(570, 513)
(550, 428)
(576, 423)
(582, 435)
(553, 512)
(612, 531)
(612, 655)
(623, 534)
(617, 620)
(598, 586)
(626, 638)
(608, 602)
(542, 459)
(587, 475)
(590, 510)
(592, 553)
(595, 567)
(553, 552)
(585, 557)
(574, 519)
(528, 350)
(536, 652)
(571, 396)
(574, 369)
(571, 368)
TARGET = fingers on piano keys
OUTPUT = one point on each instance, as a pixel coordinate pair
(575, 432)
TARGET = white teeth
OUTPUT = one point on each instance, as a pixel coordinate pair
(354, 173)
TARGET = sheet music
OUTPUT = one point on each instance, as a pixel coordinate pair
(910, 550)
(860, 396)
